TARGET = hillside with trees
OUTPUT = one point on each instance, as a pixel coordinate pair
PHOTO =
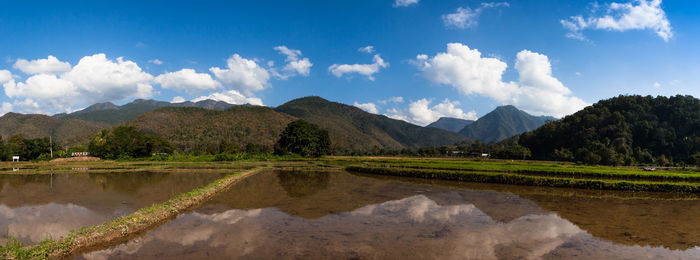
(353, 129)
(200, 130)
(623, 130)
(66, 132)
(109, 113)
(501, 123)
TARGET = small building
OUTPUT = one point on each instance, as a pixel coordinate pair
(79, 154)
(15, 158)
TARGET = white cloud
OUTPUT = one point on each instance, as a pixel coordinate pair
(467, 17)
(156, 61)
(231, 97)
(5, 108)
(5, 76)
(537, 91)
(295, 64)
(50, 65)
(635, 15)
(391, 100)
(243, 75)
(178, 99)
(94, 79)
(366, 49)
(188, 80)
(367, 70)
(421, 113)
(404, 3)
(369, 107)
(657, 85)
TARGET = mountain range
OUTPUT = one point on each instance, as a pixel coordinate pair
(209, 125)
(451, 124)
(499, 124)
(112, 114)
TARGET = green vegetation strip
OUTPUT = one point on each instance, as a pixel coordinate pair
(665, 176)
(536, 167)
(121, 227)
(519, 179)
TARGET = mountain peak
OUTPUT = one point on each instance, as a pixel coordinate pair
(451, 124)
(501, 123)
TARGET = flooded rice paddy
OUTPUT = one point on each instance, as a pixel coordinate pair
(36, 206)
(321, 215)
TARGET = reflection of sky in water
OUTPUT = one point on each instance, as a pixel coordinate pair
(410, 228)
(31, 224)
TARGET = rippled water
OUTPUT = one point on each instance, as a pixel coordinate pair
(36, 206)
(321, 215)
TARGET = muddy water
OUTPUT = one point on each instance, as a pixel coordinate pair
(321, 215)
(36, 206)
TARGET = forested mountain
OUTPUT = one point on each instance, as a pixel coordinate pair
(451, 124)
(351, 128)
(624, 129)
(192, 129)
(113, 114)
(63, 131)
(501, 123)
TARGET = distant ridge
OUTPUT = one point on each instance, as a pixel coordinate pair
(351, 128)
(113, 114)
(503, 122)
(64, 131)
(451, 124)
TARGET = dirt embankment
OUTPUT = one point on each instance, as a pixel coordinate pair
(77, 159)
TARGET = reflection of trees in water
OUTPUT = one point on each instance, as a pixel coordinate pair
(300, 184)
(126, 182)
(19, 181)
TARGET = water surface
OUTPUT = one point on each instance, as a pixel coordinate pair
(36, 206)
(321, 215)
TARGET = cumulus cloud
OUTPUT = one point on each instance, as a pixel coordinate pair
(243, 75)
(635, 15)
(404, 3)
(366, 49)
(5, 76)
(421, 113)
(94, 79)
(367, 70)
(369, 107)
(187, 80)
(465, 17)
(178, 99)
(537, 91)
(50, 65)
(156, 61)
(296, 65)
(231, 97)
(5, 108)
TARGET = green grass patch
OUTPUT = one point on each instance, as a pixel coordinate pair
(520, 179)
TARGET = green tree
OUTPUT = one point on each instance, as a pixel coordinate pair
(303, 138)
(123, 141)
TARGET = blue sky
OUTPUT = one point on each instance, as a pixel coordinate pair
(428, 58)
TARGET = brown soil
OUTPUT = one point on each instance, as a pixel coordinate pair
(77, 159)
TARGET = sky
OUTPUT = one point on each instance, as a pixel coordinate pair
(414, 60)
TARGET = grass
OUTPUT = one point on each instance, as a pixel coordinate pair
(532, 167)
(520, 179)
(121, 227)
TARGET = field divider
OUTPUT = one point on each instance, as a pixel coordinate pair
(527, 180)
(122, 228)
(657, 176)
